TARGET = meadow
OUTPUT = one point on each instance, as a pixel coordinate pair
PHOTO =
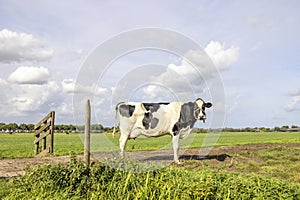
(271, 173)
(21, 145)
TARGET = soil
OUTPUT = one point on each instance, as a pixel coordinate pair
(217, 155)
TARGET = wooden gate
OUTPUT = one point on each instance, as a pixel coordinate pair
(41, 130)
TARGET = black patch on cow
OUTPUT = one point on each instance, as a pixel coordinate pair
(186, 117)
(126, 110)
(154, 122)
(147, 120)
(164, 103)
(208, 105)
(153, 107)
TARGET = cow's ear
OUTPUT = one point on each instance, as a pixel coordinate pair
(208, 105)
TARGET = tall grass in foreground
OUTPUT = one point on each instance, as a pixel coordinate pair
(99, 181)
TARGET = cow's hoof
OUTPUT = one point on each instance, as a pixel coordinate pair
(178, 162)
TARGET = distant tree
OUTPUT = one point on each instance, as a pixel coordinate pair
(23, 127)
(264, 129)
(108, 129)
(80, 128)
(57, 127)
(72, 128)
(248, 129)
(226, 129)
(294, 126)
(30, 127)
(2, 126)
(12, 127)
(276, 128)
(65, 128)
(201, 130)
(285, 127)
(97, 128)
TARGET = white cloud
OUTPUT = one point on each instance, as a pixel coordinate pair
(19, 47)
(72, 54)
(294, 103)
(5, 89)
(2, 82)
(195, 73)
(34, 100)
(222, 58)
(30, 98)
(174, 84)
(29, 75)
(70, 86)
(295, 92)
(64, 109)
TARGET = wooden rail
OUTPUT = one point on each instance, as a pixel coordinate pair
(42, 129)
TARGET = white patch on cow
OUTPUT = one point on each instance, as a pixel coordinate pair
(167, 115)
(201, 114)
(184, 132)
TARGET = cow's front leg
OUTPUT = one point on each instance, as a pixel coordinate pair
(122, 141)
(175, 142)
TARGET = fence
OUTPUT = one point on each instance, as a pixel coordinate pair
(41, 130)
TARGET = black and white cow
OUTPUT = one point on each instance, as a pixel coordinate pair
(156, 119)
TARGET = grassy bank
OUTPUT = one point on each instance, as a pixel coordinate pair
(102, 182)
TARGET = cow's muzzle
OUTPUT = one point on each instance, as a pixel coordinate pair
(203, 118)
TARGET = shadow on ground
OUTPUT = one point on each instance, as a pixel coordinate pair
(220, 157)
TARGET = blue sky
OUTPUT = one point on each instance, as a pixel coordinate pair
(254, 45)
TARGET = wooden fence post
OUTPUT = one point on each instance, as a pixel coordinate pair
(51, 145)
(87, 133)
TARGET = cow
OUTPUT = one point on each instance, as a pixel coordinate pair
(157, 119)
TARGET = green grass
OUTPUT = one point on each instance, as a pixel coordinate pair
(21, 145)
(99, 181)
(4, 187)
(279, 162)
(263, 174)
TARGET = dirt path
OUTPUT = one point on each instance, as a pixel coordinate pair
(16, 167)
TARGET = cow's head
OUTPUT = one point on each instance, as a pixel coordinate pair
(199, 111)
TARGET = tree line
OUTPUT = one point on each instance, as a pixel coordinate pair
(251, 129)
(99, 128)
(61, 128)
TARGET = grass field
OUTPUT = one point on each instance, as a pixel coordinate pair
(263, 174)
(21, 145)
(100, 181)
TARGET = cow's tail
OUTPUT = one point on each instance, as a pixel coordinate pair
(115, 121)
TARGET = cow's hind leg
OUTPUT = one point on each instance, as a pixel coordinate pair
(175, 142)
(122, 141)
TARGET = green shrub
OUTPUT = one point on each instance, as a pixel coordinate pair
(100, 181)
